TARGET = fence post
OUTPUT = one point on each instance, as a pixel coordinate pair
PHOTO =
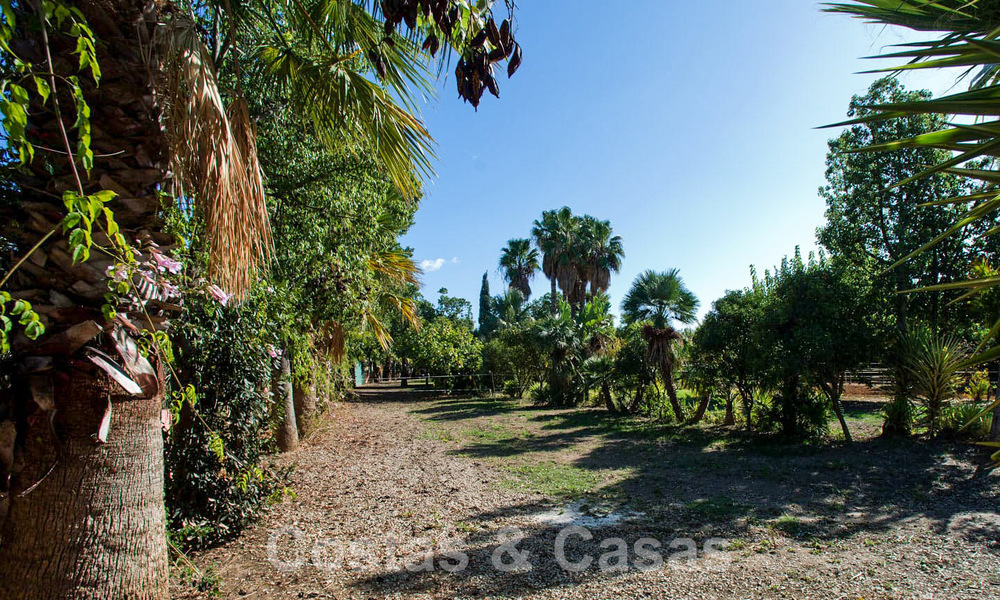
(493, 387)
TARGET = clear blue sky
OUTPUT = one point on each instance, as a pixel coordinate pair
(690, 126)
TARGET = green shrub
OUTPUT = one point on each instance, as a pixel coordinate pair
(978, 386)
(933, 363)
(898, 414)
(215, 483)
(809, 410)
(956, 416)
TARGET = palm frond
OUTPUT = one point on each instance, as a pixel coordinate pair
(213, 160)
(395, 267)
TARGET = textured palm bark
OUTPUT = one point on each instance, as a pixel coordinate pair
(675, 404)
(304, 397)
(288, 433)
(94, 526)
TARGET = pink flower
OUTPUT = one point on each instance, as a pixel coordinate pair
(273, 352)
(169, 289)
(164, 262)
(117, 272)
(219, 294)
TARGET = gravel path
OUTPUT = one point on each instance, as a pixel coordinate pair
(385, 511)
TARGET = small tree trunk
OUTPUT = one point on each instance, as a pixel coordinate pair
(703, 403)
(288, 433)
(995, 425)
(94, 528)
(838, 409)
(730, 417)
(747, 409)
(305, 408)
(609, 402)
(637, 400)
(675, 404)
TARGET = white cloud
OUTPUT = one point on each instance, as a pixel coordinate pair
(454, 260)
(429, 266)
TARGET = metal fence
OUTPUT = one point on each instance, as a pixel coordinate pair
(481, 382)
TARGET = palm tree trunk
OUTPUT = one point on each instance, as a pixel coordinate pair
(609, 402)
(288, 433)
(553, 298)
(94, 526)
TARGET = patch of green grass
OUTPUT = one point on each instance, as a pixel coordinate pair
(554, 479)
(789, 525)
(872, 416)
(437, 434)
(491, 432)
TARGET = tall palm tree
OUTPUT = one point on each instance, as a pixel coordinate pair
(659, 299)
(518, 264)
(87, 518)
(555, 234)
(603, 254)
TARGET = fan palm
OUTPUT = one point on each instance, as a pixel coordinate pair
(510, 309)
(603, 254)
(518, 264)
(659, 299)
(557, 235)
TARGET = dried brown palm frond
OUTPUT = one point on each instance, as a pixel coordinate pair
(213, 157)
(332, 339)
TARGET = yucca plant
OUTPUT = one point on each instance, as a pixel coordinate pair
(934, 363)
(965, 35)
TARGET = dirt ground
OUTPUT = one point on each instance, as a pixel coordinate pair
(396, 492)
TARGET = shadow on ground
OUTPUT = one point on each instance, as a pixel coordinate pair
(712, 482)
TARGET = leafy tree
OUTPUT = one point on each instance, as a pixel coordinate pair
(818, 326)
(732, 333)
(518, 264)
(633, 374)
(454, 308)
(873, 224)
(513, 355)
(657, 300)
(446, 346)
